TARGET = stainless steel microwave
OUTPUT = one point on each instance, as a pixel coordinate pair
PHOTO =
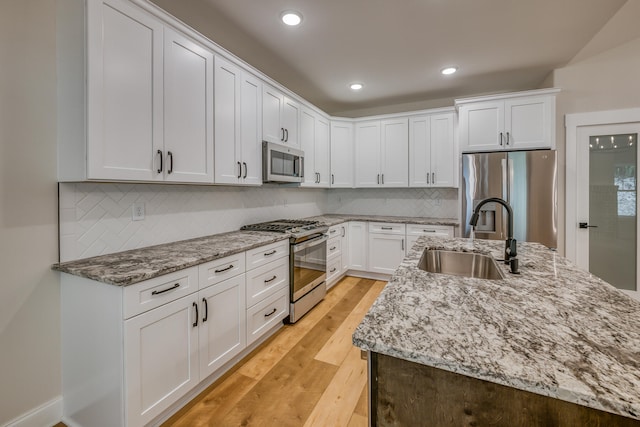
(281, 163)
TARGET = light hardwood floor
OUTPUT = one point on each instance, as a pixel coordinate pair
(307, 374)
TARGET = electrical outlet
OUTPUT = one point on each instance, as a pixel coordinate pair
(137, 213)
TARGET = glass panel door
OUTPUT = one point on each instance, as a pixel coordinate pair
(612, 224)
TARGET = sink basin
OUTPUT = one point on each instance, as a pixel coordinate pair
(467, 264)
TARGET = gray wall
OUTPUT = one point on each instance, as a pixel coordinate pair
(29, 290)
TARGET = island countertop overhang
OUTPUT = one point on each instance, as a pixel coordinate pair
(554, 329)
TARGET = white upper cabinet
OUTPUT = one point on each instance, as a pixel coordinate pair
(314, 141)
(432, 151)
(148, 91)
(382, 150)
(341, 154)
(188, 110)
(237, 125)
(124, 93)
(516, 121)
(280, 117)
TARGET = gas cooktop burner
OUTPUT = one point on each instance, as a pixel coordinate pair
(284, 226)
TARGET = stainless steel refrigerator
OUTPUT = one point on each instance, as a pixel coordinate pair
(527, 180)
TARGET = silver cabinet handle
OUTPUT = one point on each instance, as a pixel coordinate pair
(160, 168)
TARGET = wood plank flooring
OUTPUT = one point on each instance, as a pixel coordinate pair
(308, 374)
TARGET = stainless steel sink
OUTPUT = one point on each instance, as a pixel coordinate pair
(467, 264)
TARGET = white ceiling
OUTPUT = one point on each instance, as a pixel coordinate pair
(398, 47)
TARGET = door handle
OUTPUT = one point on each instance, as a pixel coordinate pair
(239, 170)
(586, 225)
(332, 179)
(245, 170)
(286, 138)
(195, 305)
(170, 155)
(206, 310)
(500, 138)
(160, 168)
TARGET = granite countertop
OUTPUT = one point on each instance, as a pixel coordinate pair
(129, 267)
(334, 219)
(554, 329)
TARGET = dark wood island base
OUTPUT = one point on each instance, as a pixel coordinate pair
(404, 393)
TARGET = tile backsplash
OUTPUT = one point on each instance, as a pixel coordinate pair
(422, 202)
(96, 218)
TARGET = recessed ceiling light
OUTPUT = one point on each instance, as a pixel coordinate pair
(291, 17)
(449, 70)
(356, 86)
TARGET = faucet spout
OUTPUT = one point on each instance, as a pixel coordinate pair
(510, 248)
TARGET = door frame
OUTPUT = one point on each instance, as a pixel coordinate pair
(572, 123)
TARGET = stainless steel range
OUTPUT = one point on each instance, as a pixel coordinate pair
(307, 261)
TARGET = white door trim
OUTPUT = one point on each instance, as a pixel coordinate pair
(572, 123)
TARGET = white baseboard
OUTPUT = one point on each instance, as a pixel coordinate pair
(45, 415)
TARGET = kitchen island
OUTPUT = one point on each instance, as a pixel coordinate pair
(553, 345)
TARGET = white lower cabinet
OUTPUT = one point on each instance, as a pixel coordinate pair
(161, 359)
(130, 353)
(358, 246)
(414, 231)
(386, 247)
(222, 324)
(337, 253)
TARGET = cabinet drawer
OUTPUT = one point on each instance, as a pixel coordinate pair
(266, 314)
(336, 230)
(264, 254)
(429, 230)
(334, 247)
(221, 269)
(386, 228)
(334, 268)
(266, 279)
(155, 292)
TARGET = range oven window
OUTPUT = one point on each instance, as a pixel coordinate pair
(309, 266)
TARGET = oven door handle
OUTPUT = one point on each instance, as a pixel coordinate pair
(311, 242)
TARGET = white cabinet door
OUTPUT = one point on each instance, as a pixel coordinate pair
(272, 101)
(161, 358)
(386, 252)
(481, 126)
(251, 129)
(420, 151)
(188, 110)
(341, 154)
(227, 122)
(321, 155)
(222, 329)
(444, 156)
(528, 122)
(395, 153)
(368, 147)
(124, 92)
(358, 245)
(290, 117)
(307, 143)
(237, 125)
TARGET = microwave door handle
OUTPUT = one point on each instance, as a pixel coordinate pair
(301, 164)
